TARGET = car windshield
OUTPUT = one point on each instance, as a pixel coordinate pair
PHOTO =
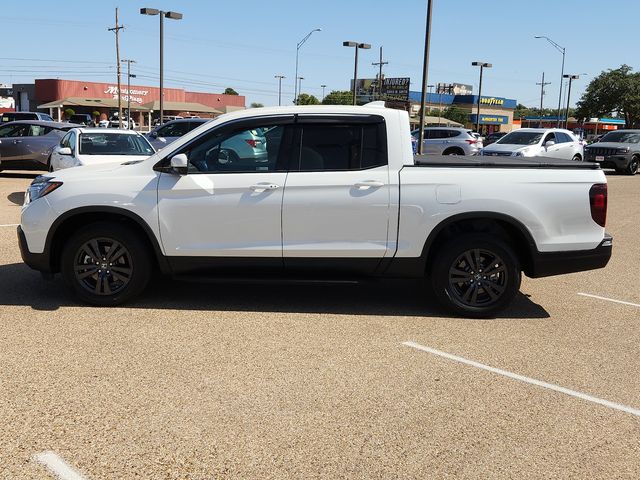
(521, 138)
(113, 144)
(621, 137)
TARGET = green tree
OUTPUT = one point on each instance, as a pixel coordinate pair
(338, 97)
(230, 91)
(68, 112)
(456, 114)
(256, 105)
(95, 114)
(306, 99)
(613, 92)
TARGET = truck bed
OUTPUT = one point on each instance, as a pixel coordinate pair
(500, 162)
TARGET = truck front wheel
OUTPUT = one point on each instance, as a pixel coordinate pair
(476, 275)
(105, 264)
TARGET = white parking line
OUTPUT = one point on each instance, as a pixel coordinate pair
(56, 465)
(609, 299)
(522, 378)
(10, 225)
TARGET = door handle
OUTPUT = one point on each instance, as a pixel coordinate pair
(17, 141)
(368, 184)
(261, 187)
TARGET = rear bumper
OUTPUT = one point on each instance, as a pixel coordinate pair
(557, 263)
(37, 261)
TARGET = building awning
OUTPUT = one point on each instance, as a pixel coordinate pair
(92, 102)
(190, 107)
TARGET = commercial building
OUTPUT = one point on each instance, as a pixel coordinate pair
(54, 96)
(589, 129)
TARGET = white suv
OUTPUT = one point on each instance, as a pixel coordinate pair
(449, 141)
(537, 142)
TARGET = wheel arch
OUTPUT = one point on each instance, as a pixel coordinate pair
(67, 223)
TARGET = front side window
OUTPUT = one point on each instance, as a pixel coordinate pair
(255, 149)
(113, 144)
(20, 130)
(174, 130)
(337, 147)
(551, 137)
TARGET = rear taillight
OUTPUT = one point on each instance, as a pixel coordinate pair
(252, 142)
(471, 142)
(598, 203)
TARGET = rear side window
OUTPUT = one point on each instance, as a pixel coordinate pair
(174, 130)
(334, 147)
(563, 138)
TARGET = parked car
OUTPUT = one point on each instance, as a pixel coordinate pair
(27, 145)
(82, 119)
(115, 123)
(13, 116)
(537, 142)
(493, 137)
(449, 141)
(163, 135)
(344, 197)
(92, 146)
(619, 149)
(166, 118)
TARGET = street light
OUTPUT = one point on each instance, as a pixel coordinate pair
(300, 43)
(172, 16)
(323, 87)
(482, 66)
(129, 76)
(299, 79)
(279, 77)
(562, 50)
(357, 46)
(570, 77)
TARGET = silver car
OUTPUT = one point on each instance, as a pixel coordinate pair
(449, 141)
(27, 145)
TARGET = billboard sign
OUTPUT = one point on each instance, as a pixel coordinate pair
(396, 88)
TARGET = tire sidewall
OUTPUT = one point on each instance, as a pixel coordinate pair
(140, 259)
(449, 252)
(632, 169)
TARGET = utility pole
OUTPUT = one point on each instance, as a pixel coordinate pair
(116, 30)
(542, 85)
(380, 64)
(129, 62)
(323, 87)
(279, 77)
(425, 74)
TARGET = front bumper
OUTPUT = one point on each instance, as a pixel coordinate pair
(558, 263)
(37, 261)
(617, 161)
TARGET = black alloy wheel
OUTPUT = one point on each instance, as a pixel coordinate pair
(106, 263)
(476, 275)
(632, 168)
(103, 266)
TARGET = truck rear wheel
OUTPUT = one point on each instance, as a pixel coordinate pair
(476, 275)
(105, 264)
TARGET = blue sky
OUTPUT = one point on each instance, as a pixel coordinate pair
(244, 44)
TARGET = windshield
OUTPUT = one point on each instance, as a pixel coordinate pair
(521, 138)
(621, 137)
(114, 144)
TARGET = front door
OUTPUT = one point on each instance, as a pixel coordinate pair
(12, 137)
(336, 202)
(229, 202)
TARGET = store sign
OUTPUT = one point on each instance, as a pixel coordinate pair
(396, 88)
(492, 101)
(128, 95)
(490, 119)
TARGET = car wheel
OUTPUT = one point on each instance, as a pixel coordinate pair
(576, 158)
(105, 264)
(476, 275)
(453, 151)
(632, 168)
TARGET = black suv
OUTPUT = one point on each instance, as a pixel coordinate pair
(619, 149)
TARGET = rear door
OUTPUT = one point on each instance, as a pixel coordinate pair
(335, 212)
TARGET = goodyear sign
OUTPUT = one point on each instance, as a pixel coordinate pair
(491, 101)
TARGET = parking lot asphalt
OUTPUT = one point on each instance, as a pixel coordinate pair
(249, 381)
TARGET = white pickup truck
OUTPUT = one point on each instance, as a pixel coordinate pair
(317, 192)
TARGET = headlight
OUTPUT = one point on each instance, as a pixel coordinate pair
(519, 153)
(40, 187)
(622, 150)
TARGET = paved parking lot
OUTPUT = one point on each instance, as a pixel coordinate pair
(216, 381)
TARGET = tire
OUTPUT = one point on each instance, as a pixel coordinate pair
(461, 285)
(453, 151)
(576, 158)
(97, 279)
(632, 168)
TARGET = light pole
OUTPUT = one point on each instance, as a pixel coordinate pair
(300, 43)
(428, 95)
(299, 80)
(129, 75)
(172, 16)
(358, 46)
(562, 50)
(425, 74)
(279, 77)
(482, 66)
(570, 77)
(323, 87)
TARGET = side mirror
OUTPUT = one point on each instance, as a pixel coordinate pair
(153, 134)
(64, 151)
(179, 163)
(550, 143)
